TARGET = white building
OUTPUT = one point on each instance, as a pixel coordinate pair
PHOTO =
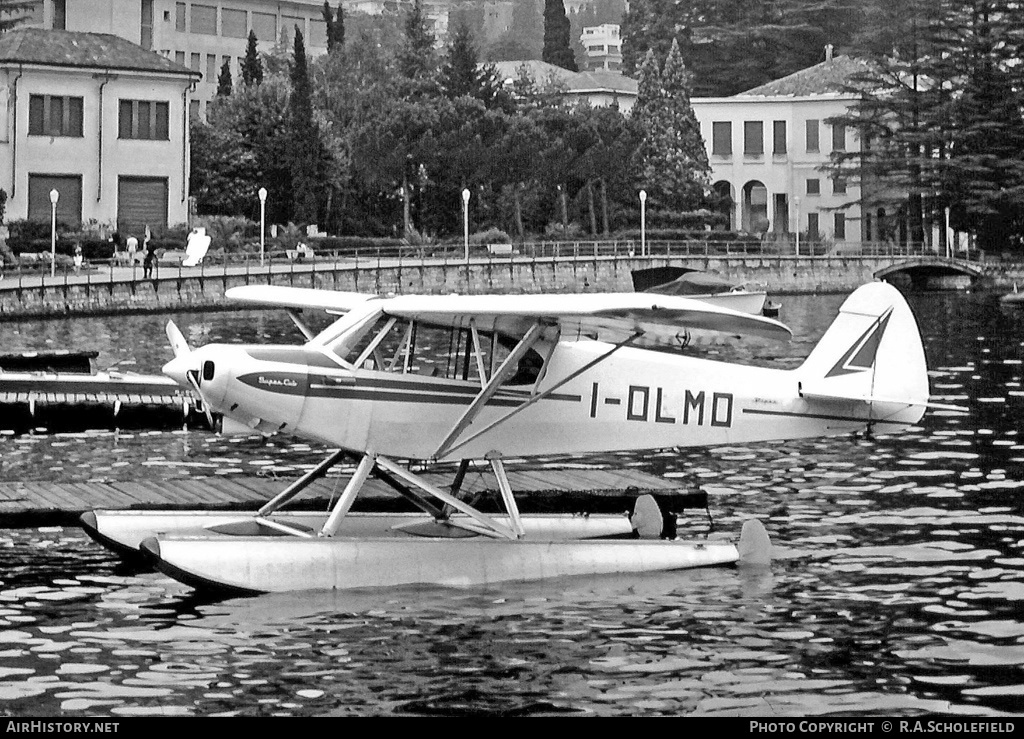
(769, 147)
(99, 119)
(603, 48)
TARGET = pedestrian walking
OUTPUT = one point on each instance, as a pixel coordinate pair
(133, 247)
(149, 261)
(78, 258)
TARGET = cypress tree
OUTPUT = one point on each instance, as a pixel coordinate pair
(305, 143)
(336, 39)
(335, 26)
(557, 46)
(224, 79)
(252, 66)
(329, 21)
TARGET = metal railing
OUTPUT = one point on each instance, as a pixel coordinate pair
(247, 263)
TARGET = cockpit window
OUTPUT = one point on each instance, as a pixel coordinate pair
(407, 347)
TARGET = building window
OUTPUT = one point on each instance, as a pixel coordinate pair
(60, 15)
(813, 187)
(146, 27)
(211, 69)
(838, 186)
(840, 227)
(721, 138)
(838, 137)
(317, 33)
(204, 19)
(233, 23)
(179, 57)
(54, 115)
(195, 62)
(179, 17)
(143, 119)
(288, 25)
(812, 225)
(779, 137)
(264, 25)
(753, 138)
(812, 136)
(193, 110)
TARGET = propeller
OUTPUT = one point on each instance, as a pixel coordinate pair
(180, 368)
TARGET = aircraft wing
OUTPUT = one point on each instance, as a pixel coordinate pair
(663, 320)
(278, 296)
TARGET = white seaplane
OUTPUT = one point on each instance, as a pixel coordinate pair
(525, 375)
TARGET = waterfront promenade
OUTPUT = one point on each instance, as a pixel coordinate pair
(555, 267)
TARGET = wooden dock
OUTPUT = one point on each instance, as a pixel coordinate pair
(556, 489)
(76, 401)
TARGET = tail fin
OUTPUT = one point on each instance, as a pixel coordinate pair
(871, 353)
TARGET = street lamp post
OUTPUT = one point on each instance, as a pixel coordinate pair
(465, 220)
(796, 201)
(263, 221)
(643, 223)
(54, 196)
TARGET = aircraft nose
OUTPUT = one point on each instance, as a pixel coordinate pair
(177, 369)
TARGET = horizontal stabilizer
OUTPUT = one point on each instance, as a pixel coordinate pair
(851, 398)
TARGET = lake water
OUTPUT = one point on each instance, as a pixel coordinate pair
(897, 589)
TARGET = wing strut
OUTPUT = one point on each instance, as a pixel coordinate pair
(506, 369)
(540, 396)
(506, 494)
(487, 525)
(302, 483)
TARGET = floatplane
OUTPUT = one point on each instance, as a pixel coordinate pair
(523, 376)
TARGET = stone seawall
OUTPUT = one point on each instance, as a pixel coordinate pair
(204, 289)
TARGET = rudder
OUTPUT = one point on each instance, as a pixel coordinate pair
(871, 353)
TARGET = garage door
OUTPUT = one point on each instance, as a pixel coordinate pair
(69, 201)
(141, 202)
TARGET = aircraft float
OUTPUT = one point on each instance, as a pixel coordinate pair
(522, 376)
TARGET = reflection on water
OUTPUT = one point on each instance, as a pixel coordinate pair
(897, 586)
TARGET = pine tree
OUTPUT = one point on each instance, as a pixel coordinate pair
(252, 66)
(305, 142)
(224, 79)
(557, 46)
(982, 175)
(459, 75)
(671, 160)
(416, 56)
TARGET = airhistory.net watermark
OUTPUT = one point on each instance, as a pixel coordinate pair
(61, 727)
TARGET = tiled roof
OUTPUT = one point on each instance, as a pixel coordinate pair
(827, 78)
(574, 82)
(83, 50)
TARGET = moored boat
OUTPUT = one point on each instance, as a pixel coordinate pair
(712, 288)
